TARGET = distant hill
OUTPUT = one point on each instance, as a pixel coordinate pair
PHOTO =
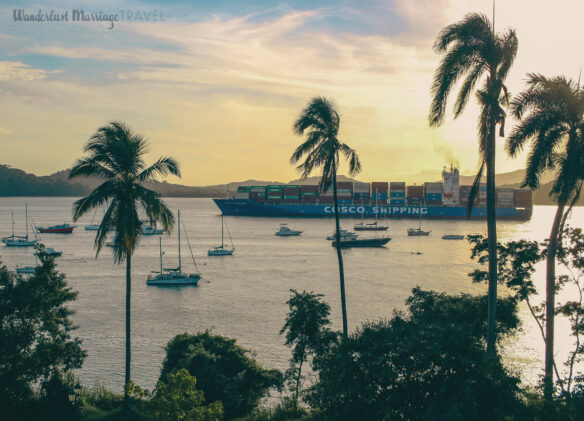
(16, 182)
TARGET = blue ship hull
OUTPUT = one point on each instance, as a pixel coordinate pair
(242, 207)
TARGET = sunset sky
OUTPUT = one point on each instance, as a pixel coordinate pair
(217, 84)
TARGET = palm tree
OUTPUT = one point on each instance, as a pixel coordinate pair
(551, 117)
(115, 155)
(320, 121)
(472, 50)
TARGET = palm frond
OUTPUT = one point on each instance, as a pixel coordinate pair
(156, 210)
(474, 189)
(162, 167)
(104, 193)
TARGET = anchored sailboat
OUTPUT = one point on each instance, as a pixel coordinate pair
(221, 250)
(174, 276)
(372, 226)
(20, 241)
(418, 232)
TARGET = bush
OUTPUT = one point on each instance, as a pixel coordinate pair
(224, 371)
(428, 364)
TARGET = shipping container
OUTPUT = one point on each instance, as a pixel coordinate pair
(523, 198)
(241, 195)
(361, 187)
(309, 188)
(397, 185)
(258, 196)
(379, 187)
(415, 191)
(397, 202)
(258, 189)
(415, 201)
(397, 194)
(308, 199)
(434, 187)
(243, 189)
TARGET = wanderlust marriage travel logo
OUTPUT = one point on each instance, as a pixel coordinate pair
(80, 15)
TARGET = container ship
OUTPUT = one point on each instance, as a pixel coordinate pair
(432, 200)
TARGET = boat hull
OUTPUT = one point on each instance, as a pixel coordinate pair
(243, 207)
(363, 242)
(173, 281)
(56, 230)
(220, 252)
(17, 243)
(91, 227)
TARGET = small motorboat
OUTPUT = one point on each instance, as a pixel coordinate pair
(372, 226)
(363, 242)
(417, 232)
(57, 229)
(284, 231)
(345, 235)
(453, 237)
(25, 270)
(91, 227)
(51, 252)
(151, 230)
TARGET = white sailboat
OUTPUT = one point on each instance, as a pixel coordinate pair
(221, 250)
(371, 226)
(92, 226)
(174, 276)
(418, 232)
(20, 241)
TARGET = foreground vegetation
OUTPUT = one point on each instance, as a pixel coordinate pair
(428, 361)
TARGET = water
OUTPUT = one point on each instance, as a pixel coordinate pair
(243, 296)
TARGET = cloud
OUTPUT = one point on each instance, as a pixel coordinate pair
(16, 70)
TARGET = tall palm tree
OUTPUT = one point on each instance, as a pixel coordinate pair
(322, 148)
(115, 155)
(551, 116)
(474, 52)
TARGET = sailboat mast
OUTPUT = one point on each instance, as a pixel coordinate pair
(376, 208)
(179, 262)
(12, 224)
(222, 230)
(26, 218)
(160, 246)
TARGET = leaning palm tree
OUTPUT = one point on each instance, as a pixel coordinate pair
(474, 52)
(551, 117)
(320, 121)
(115, 155)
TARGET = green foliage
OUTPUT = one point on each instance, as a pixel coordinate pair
(35, 330)
(307, 332)
(517, 260)
(178, 399)
(427, 363)
(286, 410)
(100, 397)
(224, 371)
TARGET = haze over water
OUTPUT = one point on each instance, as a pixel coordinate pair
(243, 296)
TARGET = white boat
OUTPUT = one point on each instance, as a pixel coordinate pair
(345, 235)
(284, 231)
(25, 270)
(111, 242)
(221, 250)
(371, 226)
(92, 226)
(418, 232)
(174, 276)
(453, 237)
(151, 230)
(51, 252)
(20, 241)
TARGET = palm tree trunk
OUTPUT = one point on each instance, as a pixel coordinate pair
(550, 302)
(492, 240)
(339, 253)
(128, 349)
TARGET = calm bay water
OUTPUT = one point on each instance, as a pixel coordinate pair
(243, 296)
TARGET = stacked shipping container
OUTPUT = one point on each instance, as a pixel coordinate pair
(361, 193)
(505, 198)
(415, 195)
(291, 194)
(379, 191)
(258, 193)
(433, 193)
(308, 194)
(397, 193)
(274, 193)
